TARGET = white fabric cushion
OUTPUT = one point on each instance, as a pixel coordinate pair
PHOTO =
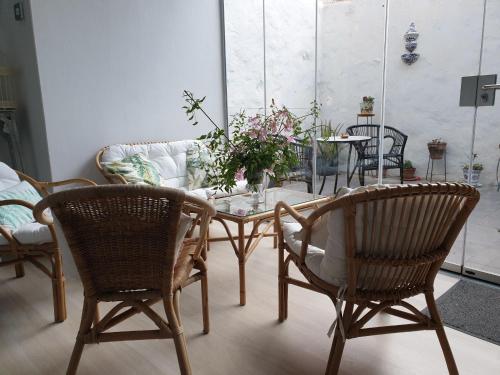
(332, 266)
(8, 177)
(169, 158)
(314, 255)
(185, 222)
(32, 234)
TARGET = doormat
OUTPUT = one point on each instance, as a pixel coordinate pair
(472, 307)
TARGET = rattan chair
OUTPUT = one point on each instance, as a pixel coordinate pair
(395, 241)
(367, 152)
(123, 241)
(16, 253)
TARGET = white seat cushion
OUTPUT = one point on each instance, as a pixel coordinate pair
(332, 260)
(314, 257)
(168, 157)
(8, 177)
(32, 234)
(170, 160)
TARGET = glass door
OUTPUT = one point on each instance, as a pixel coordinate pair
(482, 245)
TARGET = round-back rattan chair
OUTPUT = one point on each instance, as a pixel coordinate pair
(125, 243)
(394, 241)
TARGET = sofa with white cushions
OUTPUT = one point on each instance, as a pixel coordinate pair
(22, 238)
(169, 159)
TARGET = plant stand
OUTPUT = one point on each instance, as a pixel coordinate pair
(367, 116)
(430, 163)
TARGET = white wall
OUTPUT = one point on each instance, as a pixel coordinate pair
(16, 41)
(113, 71)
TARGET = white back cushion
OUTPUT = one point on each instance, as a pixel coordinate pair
(8, 176)
(169, 158)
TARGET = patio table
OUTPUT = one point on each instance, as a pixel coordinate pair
(241, 210)
(352, 139)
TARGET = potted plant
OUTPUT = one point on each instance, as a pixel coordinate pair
(259, 146)
(367, 104)
(408, 171)
(437, 148)
(472, 177)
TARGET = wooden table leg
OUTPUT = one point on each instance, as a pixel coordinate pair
(241, 261)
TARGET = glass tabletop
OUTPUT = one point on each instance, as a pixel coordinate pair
(243, 205)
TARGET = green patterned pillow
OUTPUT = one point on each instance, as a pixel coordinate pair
(197, 159)
(136, 169)
(13, 216)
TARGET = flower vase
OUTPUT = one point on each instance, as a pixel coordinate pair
(256, 185)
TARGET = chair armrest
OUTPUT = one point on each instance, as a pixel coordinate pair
(42, 186)
(282, 209)
(205, 211)
(7, 234)
(19, 202)
(46, 219)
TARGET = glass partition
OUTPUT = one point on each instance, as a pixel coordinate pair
(482, 257)
(406, 60)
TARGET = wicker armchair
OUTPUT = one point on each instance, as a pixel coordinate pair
(35, 251)
(389, 246)
(125, 243)
(367, 152)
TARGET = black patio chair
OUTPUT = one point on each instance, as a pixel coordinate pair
(326, 164)
(367, 151)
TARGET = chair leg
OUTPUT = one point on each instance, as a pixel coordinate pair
(338, 343)
(282, 286)
(335, 357)
(58, 289)
(443, 341)
(19, 267)
(322, 185)
(204, 302)
(88, 314)
(176, 306)
(336, 182)
(178, 335)
(361, 172)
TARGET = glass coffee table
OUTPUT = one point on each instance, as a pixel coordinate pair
(241, 210)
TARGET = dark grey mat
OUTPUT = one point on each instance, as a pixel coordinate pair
(472, 307)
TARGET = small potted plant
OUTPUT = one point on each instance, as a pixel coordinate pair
(473, 176)
(367, 104)
(437, 148)
(409, 171)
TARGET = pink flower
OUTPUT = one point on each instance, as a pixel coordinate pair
(290, 139)
(240, 174)
(273, 126)
(254, 121)
(262, 134)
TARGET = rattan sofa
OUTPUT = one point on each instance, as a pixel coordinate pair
(168, 157)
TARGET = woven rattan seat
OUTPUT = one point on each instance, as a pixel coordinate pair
(123, 239)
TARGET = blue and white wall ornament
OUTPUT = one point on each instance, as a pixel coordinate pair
(410, 38)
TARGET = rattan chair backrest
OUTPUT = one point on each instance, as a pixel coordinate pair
(122, 237)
